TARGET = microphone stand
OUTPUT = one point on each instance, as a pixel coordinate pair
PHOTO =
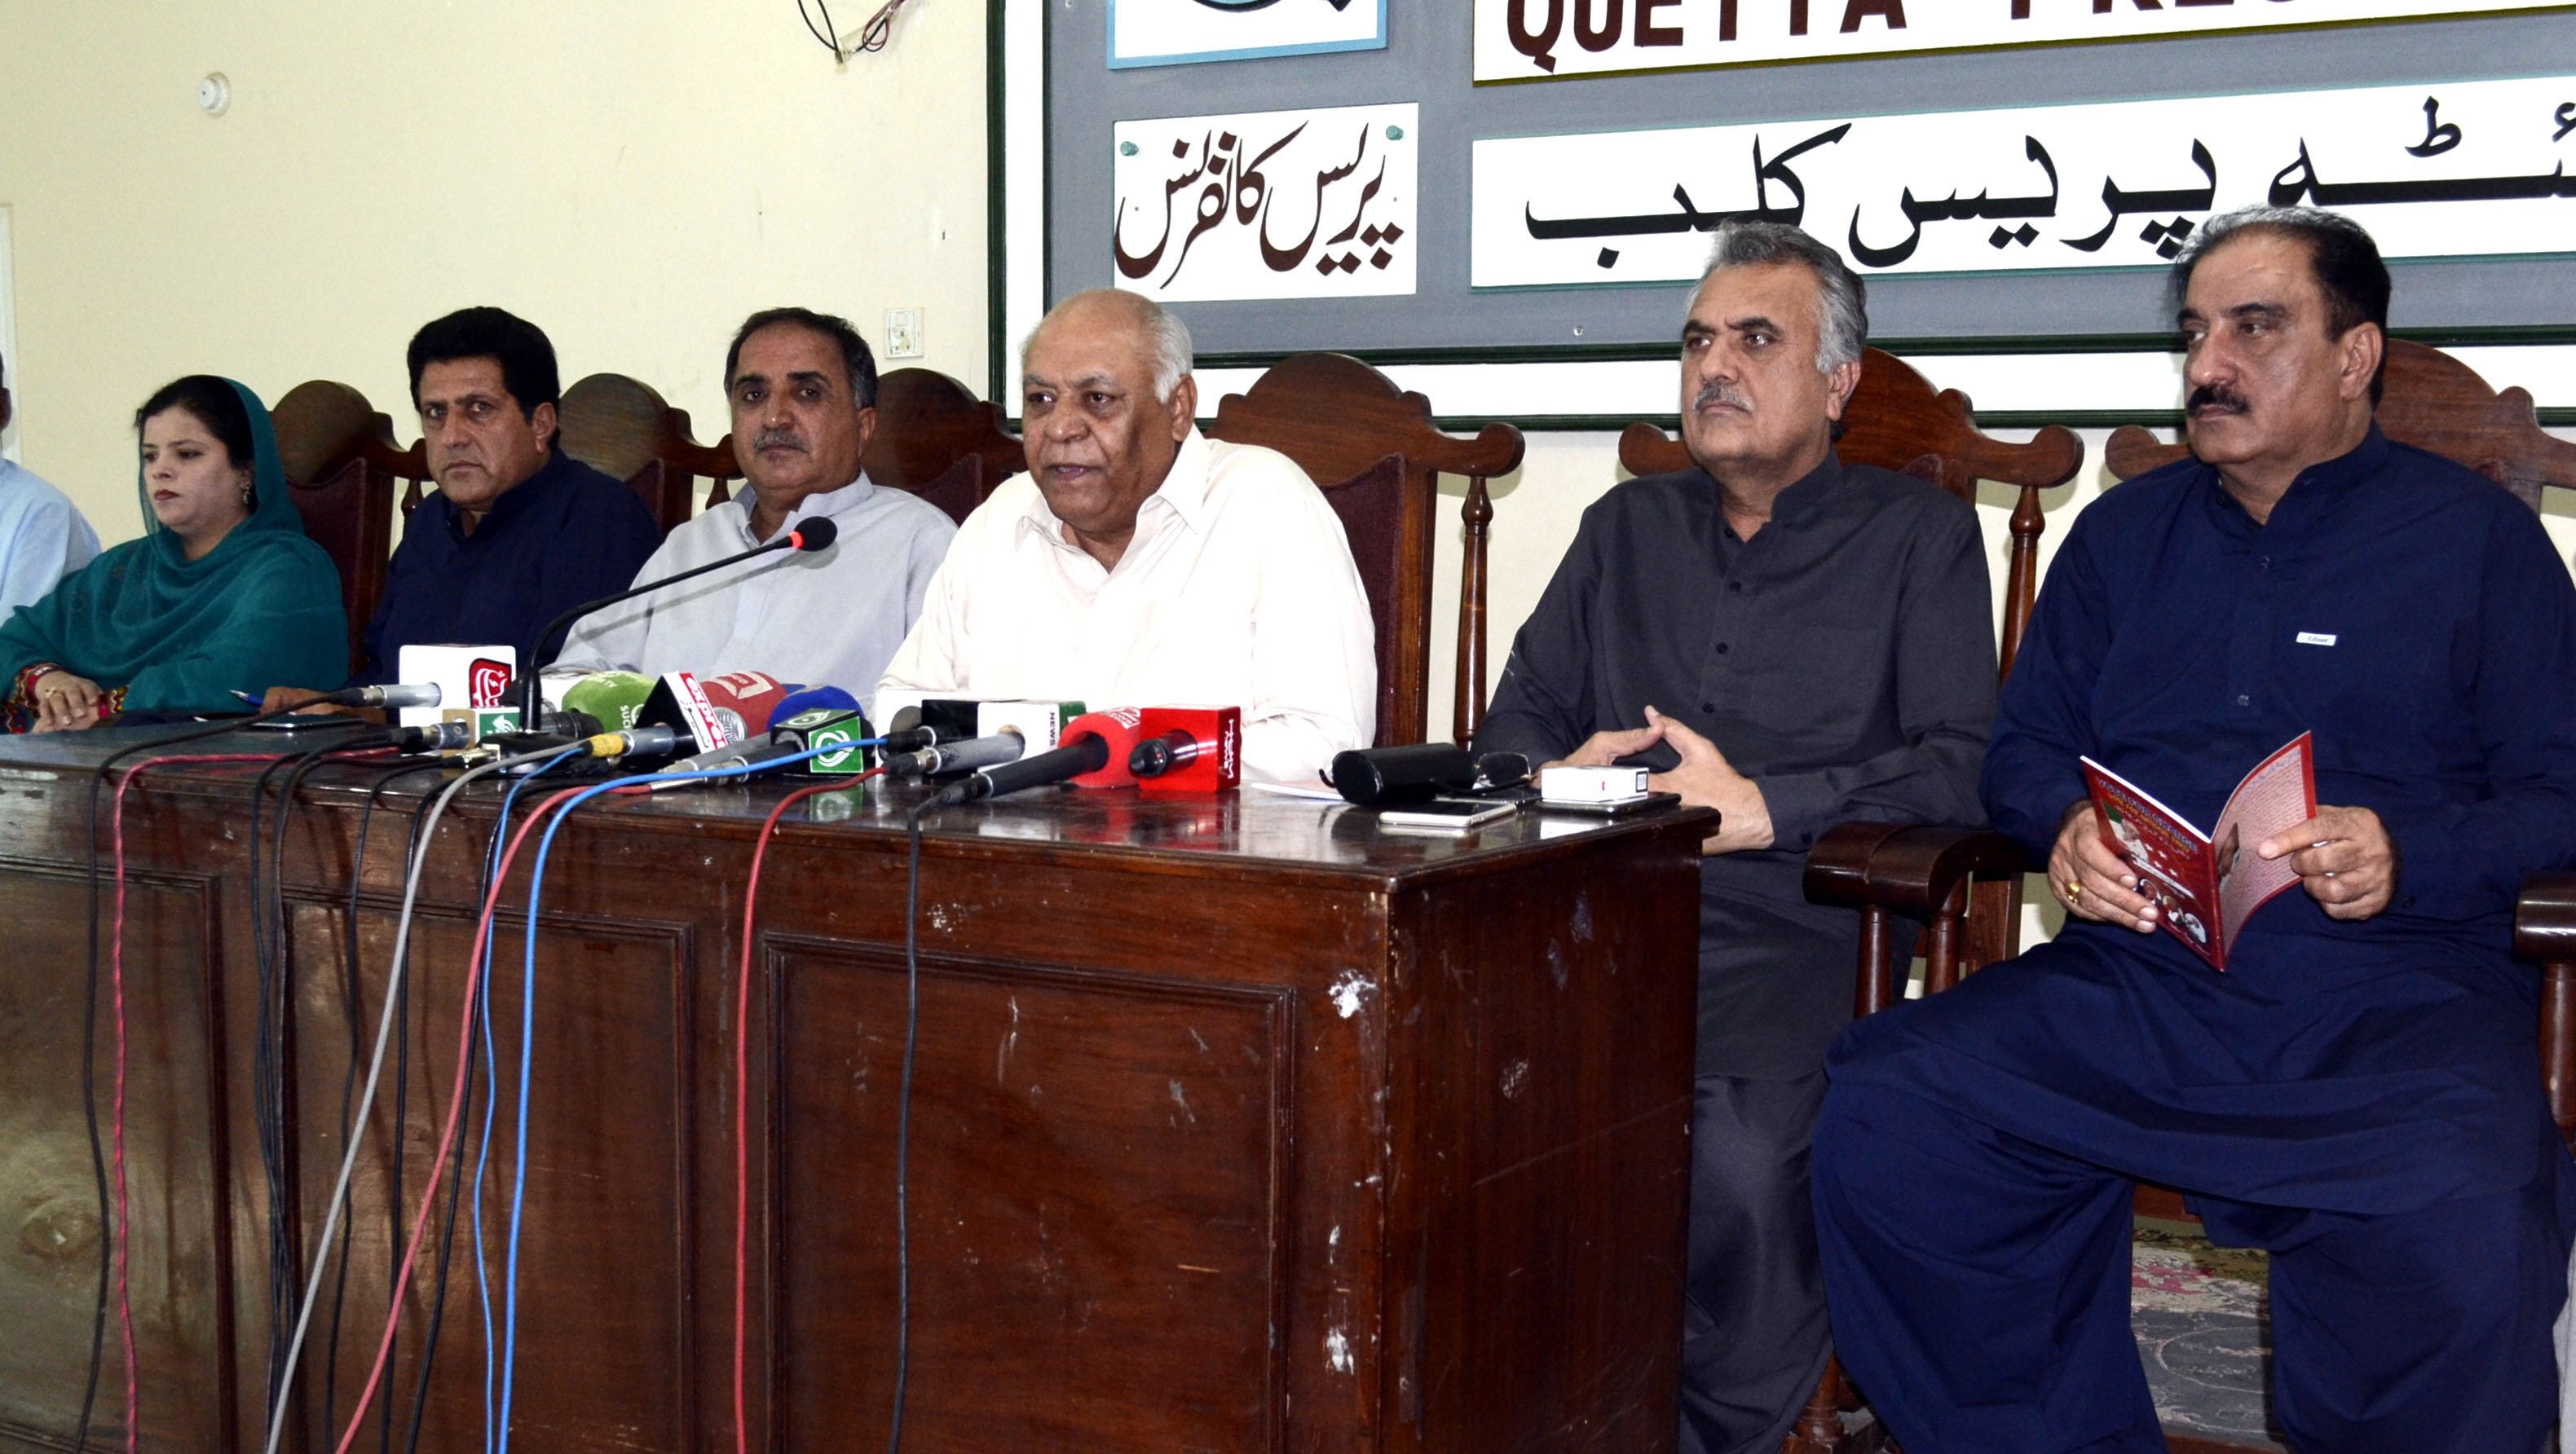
(816, 533)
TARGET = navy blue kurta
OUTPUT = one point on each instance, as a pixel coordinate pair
(2414, 617)
(564, 535)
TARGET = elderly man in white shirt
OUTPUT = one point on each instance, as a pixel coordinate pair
(1141, 564)
(803, 389)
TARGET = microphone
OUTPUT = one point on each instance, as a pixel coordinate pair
(1371, 776)
(754, 695)
(814, 532)
(403, 694)
(1094, 754)
(798, 703)
(740, 754)
(1188, 749)
(1007, 745)
(616, 698)
(434, 737)
(653, 741)
(679, 703)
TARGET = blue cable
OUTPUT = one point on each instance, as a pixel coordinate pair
(528, 1027)
(492, 1089)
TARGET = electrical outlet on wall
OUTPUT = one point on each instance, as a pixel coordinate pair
(903, 332)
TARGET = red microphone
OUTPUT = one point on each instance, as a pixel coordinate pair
(1116, 730)
(1188, 749)
(751, 694)
(1091, 753)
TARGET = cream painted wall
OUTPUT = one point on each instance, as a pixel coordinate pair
(633, 175)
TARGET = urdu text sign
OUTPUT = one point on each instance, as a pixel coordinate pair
(2471, 168)
(1523, 40)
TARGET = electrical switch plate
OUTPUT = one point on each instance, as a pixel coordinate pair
(903, 332)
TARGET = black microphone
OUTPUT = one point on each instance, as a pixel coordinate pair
(1087, 754)
(401, 694)
(1370, 776)
(815, 532)
(967, 756)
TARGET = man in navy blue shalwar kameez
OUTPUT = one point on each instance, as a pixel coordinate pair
(2358, 1092)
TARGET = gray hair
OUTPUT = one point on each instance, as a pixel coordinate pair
(1842, 300)
(1166, 337)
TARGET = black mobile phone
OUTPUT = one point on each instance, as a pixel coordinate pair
(1647, 804)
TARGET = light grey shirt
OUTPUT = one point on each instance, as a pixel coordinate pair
(834, 616)
(43, 538)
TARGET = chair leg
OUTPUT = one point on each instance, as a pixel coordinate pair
(1819, 1429)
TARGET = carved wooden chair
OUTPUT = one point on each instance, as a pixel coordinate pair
(1897, 421)
(2437, 403)
(624, 429)
(1374, 451)
(341, 467)
(937, 440)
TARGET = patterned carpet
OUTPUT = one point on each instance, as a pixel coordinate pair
(2203, 1335)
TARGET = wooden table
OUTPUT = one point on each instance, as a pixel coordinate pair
(1237, 1123)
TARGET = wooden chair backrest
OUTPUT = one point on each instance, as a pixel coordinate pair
(1896, 420)
(2433, 402)
(1375, 452)
(937, 440)
(624, 429)
(341, 470)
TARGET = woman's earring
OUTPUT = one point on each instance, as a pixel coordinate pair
(249, 499)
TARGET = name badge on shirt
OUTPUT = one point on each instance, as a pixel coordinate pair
(2316, 638)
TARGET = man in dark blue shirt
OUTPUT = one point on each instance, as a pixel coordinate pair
(1796, 642)
(2357, 1092)
(517, 530)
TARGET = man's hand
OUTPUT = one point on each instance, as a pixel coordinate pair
(2345, 860)
(1705, 779)
(2091, 880)
(288, 698)
(1602, 749)
(64, 703)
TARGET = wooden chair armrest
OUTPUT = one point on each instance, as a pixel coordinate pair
(1911, 870)
(2544, 922)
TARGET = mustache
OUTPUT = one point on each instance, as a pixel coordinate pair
(2215, 398)
(780, 439)
(1714, 392)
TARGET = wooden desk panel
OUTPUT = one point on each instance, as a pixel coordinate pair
(1236, 1124)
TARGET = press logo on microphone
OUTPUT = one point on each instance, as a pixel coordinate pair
(487, 682)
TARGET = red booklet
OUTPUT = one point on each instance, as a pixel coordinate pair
(2206, 885)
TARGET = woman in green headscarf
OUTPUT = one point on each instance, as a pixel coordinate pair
(222, 593)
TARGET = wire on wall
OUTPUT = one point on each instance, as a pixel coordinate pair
(873, 36)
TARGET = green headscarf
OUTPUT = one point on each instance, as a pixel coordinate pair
(260, 610)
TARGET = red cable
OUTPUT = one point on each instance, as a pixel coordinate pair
(119, 1234)
(742, 1101)
(455, 1111)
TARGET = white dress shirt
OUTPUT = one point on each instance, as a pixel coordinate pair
(1237, 590)
(43, 538)
(829, 617)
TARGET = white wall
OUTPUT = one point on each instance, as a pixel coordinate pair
(633, 175)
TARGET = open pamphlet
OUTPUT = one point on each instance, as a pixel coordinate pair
(2206, 885)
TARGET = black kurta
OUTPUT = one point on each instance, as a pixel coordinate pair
(1843, 658)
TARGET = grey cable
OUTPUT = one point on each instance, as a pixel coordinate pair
(375, 1069)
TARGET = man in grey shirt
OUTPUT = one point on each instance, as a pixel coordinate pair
(1795, 642)
(803, 387)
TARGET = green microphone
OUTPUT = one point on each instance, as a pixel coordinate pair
(614, 698)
